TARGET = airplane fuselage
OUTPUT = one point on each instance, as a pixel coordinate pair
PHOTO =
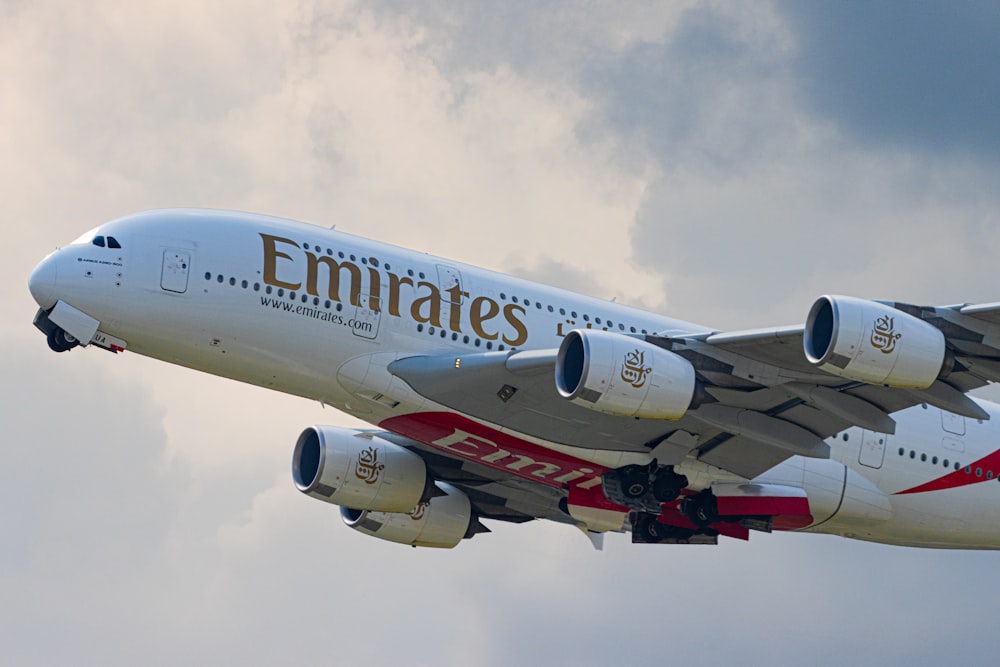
(322, 314)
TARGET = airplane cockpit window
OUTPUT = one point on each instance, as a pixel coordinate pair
(95, 239)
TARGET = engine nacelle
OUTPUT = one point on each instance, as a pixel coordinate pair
(871, 342)
(353, 469)
(624, 376)
(441, 522)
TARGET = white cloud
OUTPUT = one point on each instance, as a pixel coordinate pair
(147, 511)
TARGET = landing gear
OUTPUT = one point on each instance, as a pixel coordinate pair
(646, 529)
(60, 341)
(634, 481)
(643, 487)
(701, 508)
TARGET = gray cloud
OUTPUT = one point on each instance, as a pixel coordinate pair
(704, 95)
(677, 155)
(922, 78)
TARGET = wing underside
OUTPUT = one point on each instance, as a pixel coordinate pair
(759, 399)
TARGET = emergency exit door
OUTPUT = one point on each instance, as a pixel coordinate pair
(176, 267)
(872, 449)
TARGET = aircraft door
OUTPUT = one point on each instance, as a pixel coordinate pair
(952, 423)
(176, 267)
(872, 452)
(448, 279)
(366, 320)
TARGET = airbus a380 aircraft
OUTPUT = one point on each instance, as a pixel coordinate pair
(497, 398)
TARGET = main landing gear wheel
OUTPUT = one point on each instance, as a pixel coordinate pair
(702, 509)
(635, 481)
(643, 487)
(60, 341)
(667, 486)
(646, 528)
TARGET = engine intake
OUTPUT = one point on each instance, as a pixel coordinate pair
(441, 522)
(872, 342)
(624, 376)
(357, 470)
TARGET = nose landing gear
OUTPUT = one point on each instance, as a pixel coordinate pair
(58, 338)
(61, 341)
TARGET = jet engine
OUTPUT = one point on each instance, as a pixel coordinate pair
(872, 342)
(441, 522)
(624, 376)
(358, 470)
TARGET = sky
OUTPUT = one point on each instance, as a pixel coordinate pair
(724, 163)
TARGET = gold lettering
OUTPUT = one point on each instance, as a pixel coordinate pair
(333, 269)
(634, 369)
(433, 301)
(455, 308)
(368, 467)
(374, 289)
(477, 317)
(514, 321)
(394, 283)
(271, 255)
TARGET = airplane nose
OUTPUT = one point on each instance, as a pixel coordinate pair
(42, 282)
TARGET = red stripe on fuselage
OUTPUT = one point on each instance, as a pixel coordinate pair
(962, 477)
(464, 438)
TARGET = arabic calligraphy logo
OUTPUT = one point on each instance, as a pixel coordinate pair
(635, 371)
(884, 336)
(418, 512)
(368, 467)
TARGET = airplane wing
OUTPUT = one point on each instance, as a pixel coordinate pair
(759, 399)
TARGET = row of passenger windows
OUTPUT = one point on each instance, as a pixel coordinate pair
(443, 333)
(503, 295)
(304, 298)
(933, 459)
(410, 272)
(979, 472)
(562, 311)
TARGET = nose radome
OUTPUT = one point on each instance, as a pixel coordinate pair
(42, 282)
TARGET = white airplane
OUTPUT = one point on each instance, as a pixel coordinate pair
(498, 398)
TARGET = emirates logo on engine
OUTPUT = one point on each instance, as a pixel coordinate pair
(418, 512)
(635, 370)
(884, 336)
(368, 468)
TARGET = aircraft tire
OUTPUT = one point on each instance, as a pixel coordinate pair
(60, 341)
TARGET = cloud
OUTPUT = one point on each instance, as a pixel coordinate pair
(720, 163)
(890, 74)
